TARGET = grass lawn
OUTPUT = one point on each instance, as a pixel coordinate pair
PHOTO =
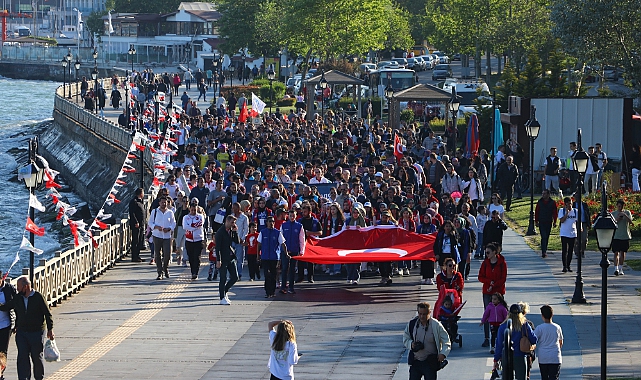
(634, 263)
(519, 217)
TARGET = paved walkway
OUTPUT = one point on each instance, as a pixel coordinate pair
(128, 325)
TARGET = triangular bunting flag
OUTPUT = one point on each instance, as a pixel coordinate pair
(31, 227)
(35, 203)
(26, 245)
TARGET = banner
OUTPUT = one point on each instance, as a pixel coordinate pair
(371, 244)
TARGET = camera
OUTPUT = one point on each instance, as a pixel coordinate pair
(418, 346)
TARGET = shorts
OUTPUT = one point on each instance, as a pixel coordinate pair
(620, 245)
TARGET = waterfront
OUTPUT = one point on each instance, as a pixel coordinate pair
(25, 107)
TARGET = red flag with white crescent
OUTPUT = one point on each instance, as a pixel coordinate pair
(32, 227)
(243, 113)
(398, 148)
(371, 244)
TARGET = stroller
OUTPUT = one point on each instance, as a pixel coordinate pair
(449, 319)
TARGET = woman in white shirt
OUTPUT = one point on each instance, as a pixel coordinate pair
(497, 204)
(473, 187)
(568, 232)
(284, 351)
(194, 236)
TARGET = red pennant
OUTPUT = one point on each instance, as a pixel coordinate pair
(93, 241)
(114, 198)
(132, 156)
(121, 182)
(139, 147)
(173, 139)
(157, 182)
(127, 170)
(52, 184)
(177, 132)
(74, 232)
(154, 137)
(31, 227)
(151, 148)
(61, 212)
(243, 113)
(102, 225)
(159, 166)
(253, 113)
(54, 198)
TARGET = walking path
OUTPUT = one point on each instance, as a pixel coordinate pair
(128, 325)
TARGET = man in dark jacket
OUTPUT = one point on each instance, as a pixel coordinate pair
(493, 230)
(225, 257)
(32, 317)
(137, 223)
(507, 174)
(545, 216)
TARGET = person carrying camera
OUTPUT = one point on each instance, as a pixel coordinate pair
(428, 342)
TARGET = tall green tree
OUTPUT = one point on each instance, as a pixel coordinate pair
(530, 82)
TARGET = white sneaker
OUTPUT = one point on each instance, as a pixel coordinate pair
(349, 282)
(355, 282)
(400, 272)
(406, 272)
(423, 281)
(430, 281)
(225, 301)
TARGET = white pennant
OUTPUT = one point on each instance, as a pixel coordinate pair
(35, 203)
(122, 175)
(128, 161)
(26, 245)
(102, 215)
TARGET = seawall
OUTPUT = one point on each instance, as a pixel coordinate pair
(49, 71)
(89, 152)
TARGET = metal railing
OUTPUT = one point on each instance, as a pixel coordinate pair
(69, 271)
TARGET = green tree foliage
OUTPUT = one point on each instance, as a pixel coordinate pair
(556, 83)
(506, 87)
(237, 24)
(530, 83)
(95, 24)
(399, 35)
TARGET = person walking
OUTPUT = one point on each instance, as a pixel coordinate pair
(493, 230)
(284, 351)
(551, 170)
(162, 223)
(545, 217)
(508, 173)
(7, 317)
(635, 164)
(493, 275)
(137, 225)
(428, 342)
(271, 245)
(294, 234)
(568, 232)
(32, 318)
(193, 225)
(242, 221)
(225, 258)
(548, 346)
(622, 236)
(520, 328)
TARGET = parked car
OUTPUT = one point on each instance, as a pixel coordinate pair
(442, 58)
(422, 65)
(456, 57)
(411, 64)
(363, 67)
(610, 73)
(387, 65)
(402, 62)
(430, 61)
(442, 71)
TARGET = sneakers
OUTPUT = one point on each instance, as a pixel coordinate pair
(355, 282)
(492, 350)
(621, 272)
(159, 277)
(185, 263)
(486, 343)
(406, 272)
(225, 301)
(291, 292)
(430, 281)
(400, 272)
(423, 281)
(616, 273)
(544, 255)
(569, 269)
(283, 290)
(152, 262)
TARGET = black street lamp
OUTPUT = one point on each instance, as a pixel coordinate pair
(604, 227)
(232, 69)
(532, 128)
(581, 161)
(323, 85)
(127, 101)
(221, 76)
(270, 77)
(31, 182)
(215, 74)
(64, 77)
(188, 54)
(244, 56)
(69, 57)
(132, 52)
(77, 67)
(454, 106)
(389, 94)
(94, 76)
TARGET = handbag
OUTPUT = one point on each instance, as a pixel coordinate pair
(220, 216)
(524, 344)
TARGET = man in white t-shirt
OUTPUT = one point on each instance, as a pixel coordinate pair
(548, 346)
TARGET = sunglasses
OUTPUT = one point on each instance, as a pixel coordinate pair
(450, 266)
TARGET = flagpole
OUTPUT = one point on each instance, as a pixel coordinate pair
(32, 216)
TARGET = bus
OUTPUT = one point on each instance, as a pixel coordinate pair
(399, 79)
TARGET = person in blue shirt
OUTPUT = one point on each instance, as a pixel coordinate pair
(294, 234)
(271, 245)
(519, 328)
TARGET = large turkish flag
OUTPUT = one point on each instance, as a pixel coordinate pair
(371, 244)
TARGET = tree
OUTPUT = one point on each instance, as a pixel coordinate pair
(530, 84)
(237, 24)
(95, 24)
(506, 87)
(399, 35)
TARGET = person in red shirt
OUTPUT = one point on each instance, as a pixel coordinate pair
(251, 241)
(281, 216)
(213, 271)
(493, 275)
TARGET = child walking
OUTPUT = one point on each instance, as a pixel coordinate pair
(213, 271)
(284, 351)
(495, 314)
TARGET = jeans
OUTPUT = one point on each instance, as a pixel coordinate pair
(5, 334)
(252, 264)
(180, 244)
(240, 258)
(162, 262)
(479, 244)
(420, 369)
(520, 367)
(187, 84)
(635, 179)
(545, 228)
(552, 184)
(567, 248)
(550, 371)
(224, 285)
(334, 268)
(288, 270)
(302, 265)
(353, 272)
(30, 345)
(193, 249)
(487, 298)
(269, 266)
